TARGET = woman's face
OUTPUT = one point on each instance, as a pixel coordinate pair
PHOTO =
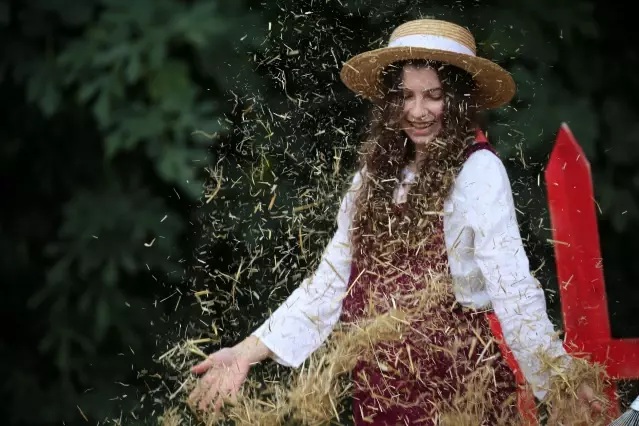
(423, 104)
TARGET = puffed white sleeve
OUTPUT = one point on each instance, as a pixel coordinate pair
(306, 318)
(517, 297)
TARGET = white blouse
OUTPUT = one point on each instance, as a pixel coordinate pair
(488, 264)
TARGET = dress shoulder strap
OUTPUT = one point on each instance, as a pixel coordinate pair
(481, 142)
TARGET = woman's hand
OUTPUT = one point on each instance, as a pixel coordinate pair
(586, 409)
(589, 401)
(224, 372)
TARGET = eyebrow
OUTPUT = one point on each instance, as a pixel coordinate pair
(432, 89)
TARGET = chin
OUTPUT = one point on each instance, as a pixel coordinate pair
(421, 140)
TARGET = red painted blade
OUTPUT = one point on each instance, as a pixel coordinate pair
(620, 356)
(576, 241)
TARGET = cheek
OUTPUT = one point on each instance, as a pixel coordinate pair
(438, 110)
(405, 109)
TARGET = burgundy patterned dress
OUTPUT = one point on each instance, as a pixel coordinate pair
(447, 368)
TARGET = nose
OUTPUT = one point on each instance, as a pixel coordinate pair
(419, 109)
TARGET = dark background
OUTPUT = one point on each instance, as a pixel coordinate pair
(120, 117)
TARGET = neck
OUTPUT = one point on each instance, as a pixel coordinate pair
(416, 163)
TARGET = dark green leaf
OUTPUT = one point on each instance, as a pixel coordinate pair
(102, 109)
(49, 100)
(102, 318)
(5, 13)
(133, 69)
(171, 87)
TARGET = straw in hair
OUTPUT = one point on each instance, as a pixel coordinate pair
(430, 39)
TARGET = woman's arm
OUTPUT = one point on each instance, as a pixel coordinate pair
(304, 321)
(517, 297)
(253, 350)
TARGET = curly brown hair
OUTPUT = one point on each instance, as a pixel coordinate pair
(382, 229)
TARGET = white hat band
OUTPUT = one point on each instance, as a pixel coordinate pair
(431, 42)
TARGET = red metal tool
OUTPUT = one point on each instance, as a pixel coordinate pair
(580, 267)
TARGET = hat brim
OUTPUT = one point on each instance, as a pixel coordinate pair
(362, 73)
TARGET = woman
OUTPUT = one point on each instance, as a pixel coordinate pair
(429, 201)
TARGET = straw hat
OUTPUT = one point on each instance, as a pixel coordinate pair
(435, 40)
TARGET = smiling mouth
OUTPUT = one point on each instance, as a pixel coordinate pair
(422, 126)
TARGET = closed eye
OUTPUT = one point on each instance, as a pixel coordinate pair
(435, 93)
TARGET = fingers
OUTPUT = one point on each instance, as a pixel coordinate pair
(226, 397)
(587, 395)
(597, 407)
(216, 394)
(212, 389)
(204, 386)
(224, 376)
(206, 382)
(209, 397)
(204, 365)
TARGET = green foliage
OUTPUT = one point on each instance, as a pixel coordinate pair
(137, 80)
